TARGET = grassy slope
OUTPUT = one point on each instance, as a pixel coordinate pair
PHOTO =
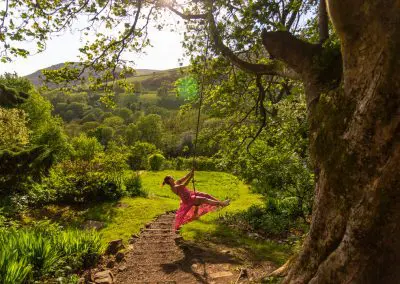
(122, 223)
(130, 214)
(129, 218)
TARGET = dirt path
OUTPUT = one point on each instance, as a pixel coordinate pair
(159, 255)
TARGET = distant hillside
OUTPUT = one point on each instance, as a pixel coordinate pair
(140, 75)
(151, 81)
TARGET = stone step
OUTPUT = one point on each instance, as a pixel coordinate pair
(152, 235)
(161, 226)
(144, 278)
(169, 228)
(160, 223)
(170, 221)
(153, 270)
(157, 230)
(154, 253)
(165, 218)
(155, 282)
(156, 261)
(148, 249)
(158, 241)
(144, 244)
(151, 249)
(152, 265)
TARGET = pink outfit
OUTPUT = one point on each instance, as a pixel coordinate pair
(186, 211)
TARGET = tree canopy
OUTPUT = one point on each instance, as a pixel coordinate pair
(233, 27)
(249, 56)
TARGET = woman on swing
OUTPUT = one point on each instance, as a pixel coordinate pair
(193, 204)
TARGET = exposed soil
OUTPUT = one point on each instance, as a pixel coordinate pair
(159, 255)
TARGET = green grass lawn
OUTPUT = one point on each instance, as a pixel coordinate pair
(129, 215)
(125, 220)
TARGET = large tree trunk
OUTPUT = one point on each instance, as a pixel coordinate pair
(355, 146)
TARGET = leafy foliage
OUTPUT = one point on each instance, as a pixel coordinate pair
(33, 163)
(201, 163)
(13, 129)
(45, 250)
(138, 156)
(156, 161)
(20, 85)
(240, 109)
(276, 219)
(150, 127)
(187, 88)
(81, 182)
(10, 97)
(85, 148)
(133, 185)
(276, 161)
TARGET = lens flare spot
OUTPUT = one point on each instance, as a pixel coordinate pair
(187, 88)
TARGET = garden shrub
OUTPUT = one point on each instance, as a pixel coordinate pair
(201, 164)
(85, 148)
(133, 185)
(205, 164)
(33, 163)
(156, 161)
(138, 156)
(168, 165)
(268, 220)
(78, 182)
(275, 219)
(179, 163)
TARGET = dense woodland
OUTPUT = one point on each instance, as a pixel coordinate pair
(299, 104)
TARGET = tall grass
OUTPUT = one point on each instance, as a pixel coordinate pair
(45, 251)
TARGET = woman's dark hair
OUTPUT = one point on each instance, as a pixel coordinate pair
(166, 180)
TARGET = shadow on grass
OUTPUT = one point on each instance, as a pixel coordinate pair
(254, 249)
(76, 215)
(105, 212)
(196, 254)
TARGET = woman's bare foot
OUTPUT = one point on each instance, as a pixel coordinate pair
(226, 202)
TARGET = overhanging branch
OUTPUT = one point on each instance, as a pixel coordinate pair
(273, 68)
(295, 52)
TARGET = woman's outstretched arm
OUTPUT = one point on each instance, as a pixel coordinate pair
(189, 178)
(186, 177)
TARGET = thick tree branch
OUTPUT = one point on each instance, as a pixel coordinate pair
(323, 28)
(296, 53)
(319, 68)
(274, 68)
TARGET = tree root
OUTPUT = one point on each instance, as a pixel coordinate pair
(283, 270)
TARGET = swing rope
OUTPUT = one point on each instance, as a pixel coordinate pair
(199, 112)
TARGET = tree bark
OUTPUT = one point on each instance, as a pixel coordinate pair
(355, 144)
(323, 28)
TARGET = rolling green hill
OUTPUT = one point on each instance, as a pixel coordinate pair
(149, 78)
